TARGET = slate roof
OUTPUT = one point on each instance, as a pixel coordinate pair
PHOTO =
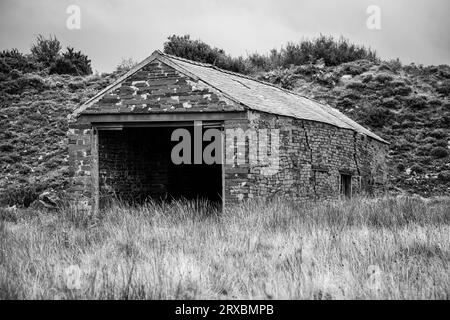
(254, 94)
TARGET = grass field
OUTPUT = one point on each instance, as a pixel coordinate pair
(391, 248)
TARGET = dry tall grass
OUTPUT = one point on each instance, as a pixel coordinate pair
(361, 249)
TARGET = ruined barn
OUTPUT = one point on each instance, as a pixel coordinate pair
(121, 141)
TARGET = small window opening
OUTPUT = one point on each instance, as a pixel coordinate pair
(346, 185)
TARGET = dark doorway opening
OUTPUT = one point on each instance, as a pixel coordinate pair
(135, 166)
(346, 185)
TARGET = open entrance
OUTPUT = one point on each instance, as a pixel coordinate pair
(135, 165)
(346, 185)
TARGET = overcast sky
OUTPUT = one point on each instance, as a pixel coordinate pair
(413, 30)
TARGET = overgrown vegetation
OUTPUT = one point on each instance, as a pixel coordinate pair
(71, 62)
(391, 248)
(125, 65)
(197, 50)
(326, 49)
(46, 51)
(46, 56)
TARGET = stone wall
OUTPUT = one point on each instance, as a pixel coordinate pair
(311, 160)
(159, 88)
(80, 138)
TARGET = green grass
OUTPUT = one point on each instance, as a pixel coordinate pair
(391, 248)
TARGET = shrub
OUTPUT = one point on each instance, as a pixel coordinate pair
(377, 116)
(333, 52)
(27, 81)
(6, 147)
(352, 70)
(417, 168)
(324, 48)
(443, 87)
(260, 62)
(441, 143)
(417, 102)
(394, 64)
(356, 85)
(429, 140)
(11, 60)
(439, 152)
(10, 158)
(438, 134)
(402, 91)
(390, 103)
(126, 65)
(197, 50)
(46, 50)
(444, 176)
(72, 62)
(425, 149)
(383, 77)
(367, 77)
(19, 195)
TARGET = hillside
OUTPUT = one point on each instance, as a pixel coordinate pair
(408, 106)
(33, 144)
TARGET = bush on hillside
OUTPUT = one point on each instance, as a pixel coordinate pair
(324, 48)
(45, 56)
(417, 168)
(46, 50)
(22, 196)
(376, 116)
(197, 50)
(333, 52)
(71, 62)
(126, 65)
(438, 133)
(439, 152)
(11, 60)
(443, 87)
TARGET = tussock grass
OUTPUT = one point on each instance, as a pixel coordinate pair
(391, 248)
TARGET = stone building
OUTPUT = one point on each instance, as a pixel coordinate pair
(121, 140)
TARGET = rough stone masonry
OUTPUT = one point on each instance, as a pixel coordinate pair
(320, 150)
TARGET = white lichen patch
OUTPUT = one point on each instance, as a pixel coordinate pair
(187, 105)
(144, 96)
(176, 98)
(135, 90)
(207, 96)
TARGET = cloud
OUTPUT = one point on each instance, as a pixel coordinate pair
(413, 30)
